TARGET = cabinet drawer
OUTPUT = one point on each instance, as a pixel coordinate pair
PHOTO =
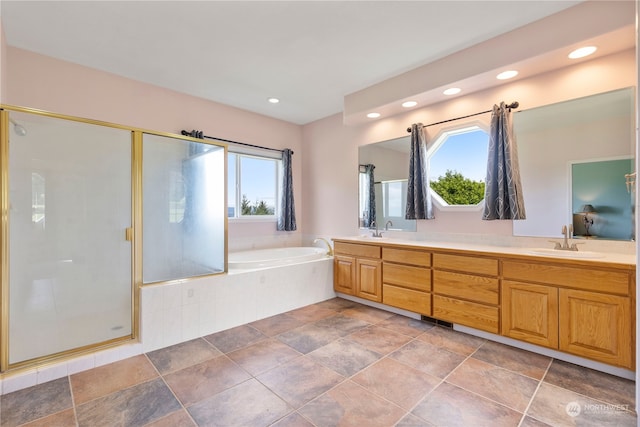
(480, 289)
(612, 282)
(466, 313)
(408, 299)
(406, 256)
(356, 250)
(410, 277)
(467, 264)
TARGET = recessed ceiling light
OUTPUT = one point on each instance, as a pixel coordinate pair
(452, 91)
(373, 115)
(507, 75)
(409, 104)
(273, 100)
(582, 52)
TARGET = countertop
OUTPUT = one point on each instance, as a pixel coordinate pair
(591, 257)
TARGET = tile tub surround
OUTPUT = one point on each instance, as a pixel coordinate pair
(332, 363)
(178, 312)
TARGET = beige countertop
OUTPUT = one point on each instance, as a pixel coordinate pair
(542, 252)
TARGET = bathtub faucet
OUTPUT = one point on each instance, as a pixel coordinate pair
(330, 251)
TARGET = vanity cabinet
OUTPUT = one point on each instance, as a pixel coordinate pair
(578, 309)
(357, 270)
(530, 313)
(597, 326)
(406, 279)
(581, 307)
(466, 290)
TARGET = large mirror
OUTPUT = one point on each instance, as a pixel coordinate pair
(386, 165)
(577, 167)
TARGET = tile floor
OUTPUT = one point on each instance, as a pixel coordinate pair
(336, 363)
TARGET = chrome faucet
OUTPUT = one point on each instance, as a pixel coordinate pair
(565, 246)
(386, 226)
(330, 249)
(375, 233)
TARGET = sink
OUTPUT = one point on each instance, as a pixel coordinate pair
(566, 254)
(369, 237)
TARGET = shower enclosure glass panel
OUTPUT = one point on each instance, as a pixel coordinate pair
(70, 282)
(183, 204)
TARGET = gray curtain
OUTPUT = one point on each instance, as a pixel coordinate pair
(370, 216)
(503, 189)
(419, 205)
(287, 216)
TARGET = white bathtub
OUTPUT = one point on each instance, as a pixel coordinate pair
(274, 257)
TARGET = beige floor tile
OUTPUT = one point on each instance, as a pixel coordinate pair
(379, 339)
(498, 384)
(98, 382)
(182, 355)
(300, 380)
(351, 405)
(458, 342)
(203, 380)
(514, 359)
(262, 356)
(399, 383)
(452, 406)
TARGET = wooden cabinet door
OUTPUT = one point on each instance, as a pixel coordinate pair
(596, 326)
(369, 279)
(344, 274)
(530, 313)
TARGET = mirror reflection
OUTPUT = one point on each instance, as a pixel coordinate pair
(575, 160)
(384, 202)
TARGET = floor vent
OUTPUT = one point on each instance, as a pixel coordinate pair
(436, 321)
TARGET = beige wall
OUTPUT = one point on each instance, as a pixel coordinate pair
(3, 64)
(326, 159)
(45, 83)
(331, 148)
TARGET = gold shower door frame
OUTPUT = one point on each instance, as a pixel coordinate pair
(132, 234)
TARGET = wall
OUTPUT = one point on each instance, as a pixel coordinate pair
(45, 83)
(3, 64)
(332, 177)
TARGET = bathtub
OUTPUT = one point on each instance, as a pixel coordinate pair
(258, 285)
(274, 257)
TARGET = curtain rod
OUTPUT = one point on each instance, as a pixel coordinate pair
(200, 135)
(511, 106)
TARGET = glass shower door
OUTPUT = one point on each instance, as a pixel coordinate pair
(70, 202)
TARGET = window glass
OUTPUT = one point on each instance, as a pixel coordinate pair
(255, 186)
(232, 193)
(457, 166)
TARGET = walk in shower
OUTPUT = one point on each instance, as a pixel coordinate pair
(90, 212)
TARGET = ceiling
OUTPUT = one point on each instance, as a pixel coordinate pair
(308, 54)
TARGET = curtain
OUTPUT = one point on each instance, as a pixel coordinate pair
(370, 203)
(287, 215)
(419, 205)
(503, 189)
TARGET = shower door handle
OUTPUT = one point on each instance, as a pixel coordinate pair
(128, 234)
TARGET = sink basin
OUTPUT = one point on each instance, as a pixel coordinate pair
(566, 254)
(369, 237)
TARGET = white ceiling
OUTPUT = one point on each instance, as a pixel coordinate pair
(309, 54)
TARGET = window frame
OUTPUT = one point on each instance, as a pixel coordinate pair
(432, 149)
(239, 154)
